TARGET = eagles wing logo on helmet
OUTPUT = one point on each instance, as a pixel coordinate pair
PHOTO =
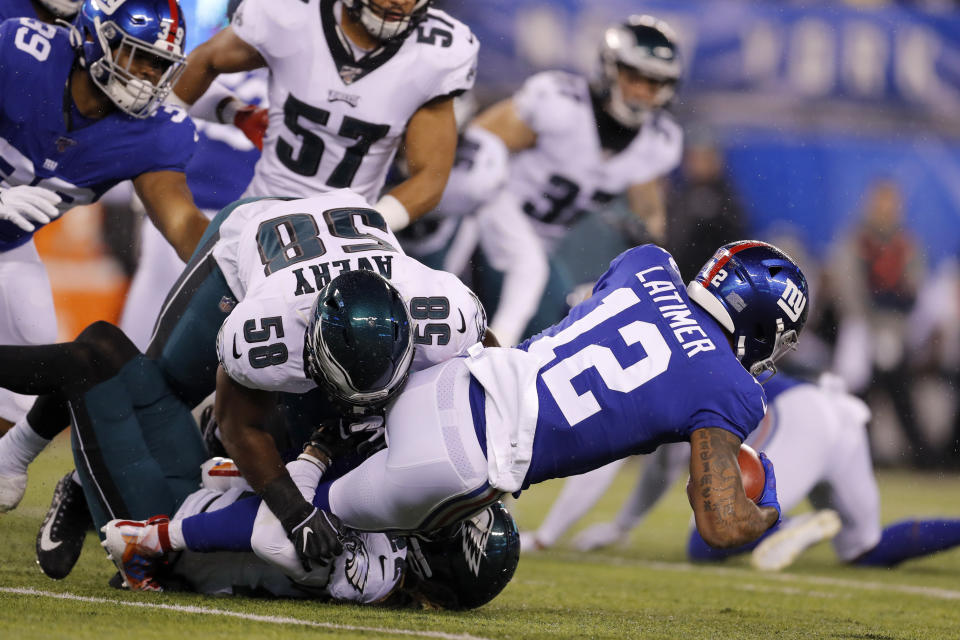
(357, 564)
(476, 531)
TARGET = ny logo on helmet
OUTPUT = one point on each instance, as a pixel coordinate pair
(792, 301)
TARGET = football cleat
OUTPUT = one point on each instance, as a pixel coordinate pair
(599, 536)
(780, 549)
(529, 542)
(12, 489)
(136, 548)
(64, 529)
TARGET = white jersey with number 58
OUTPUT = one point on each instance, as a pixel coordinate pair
(276, 254)
(337, 115)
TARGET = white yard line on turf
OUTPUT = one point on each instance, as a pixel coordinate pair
(236, 614)
(866, 585)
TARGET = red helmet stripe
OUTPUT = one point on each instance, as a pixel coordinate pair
(729, 254)
(172, 36)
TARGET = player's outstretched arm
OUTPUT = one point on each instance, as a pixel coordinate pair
(239, 413)
(430, 144)
(170, 205)
(724, 515)
(647, 203)
(225, 52)
(502, 120)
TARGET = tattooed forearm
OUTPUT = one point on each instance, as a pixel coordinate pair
(724, 515)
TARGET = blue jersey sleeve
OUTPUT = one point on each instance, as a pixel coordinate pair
(175, 140)
(738, 411)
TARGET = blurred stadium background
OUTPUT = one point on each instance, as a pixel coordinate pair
(830, 128)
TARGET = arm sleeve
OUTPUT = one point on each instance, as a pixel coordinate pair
(460, 68)
(275, 34)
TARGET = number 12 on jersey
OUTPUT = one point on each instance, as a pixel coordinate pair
(577, 407)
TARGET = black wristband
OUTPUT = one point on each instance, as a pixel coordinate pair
(286, 502)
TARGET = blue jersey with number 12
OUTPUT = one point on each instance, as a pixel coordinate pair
(78, 162)
(635, 366)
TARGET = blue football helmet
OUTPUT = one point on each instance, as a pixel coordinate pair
(120, 36)
(386, 24)
(647, 45)
(359, 343)
(759, 295)
(467, 565)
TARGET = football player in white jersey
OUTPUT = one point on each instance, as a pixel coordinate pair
(252, 288)
(350, 81)
(577, 144)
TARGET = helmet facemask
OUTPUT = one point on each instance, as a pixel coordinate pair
(384, 23)
(113, 72)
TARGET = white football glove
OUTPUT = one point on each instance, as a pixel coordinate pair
(26, 206)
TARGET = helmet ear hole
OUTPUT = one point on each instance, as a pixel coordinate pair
(759, 333)
(775, 270)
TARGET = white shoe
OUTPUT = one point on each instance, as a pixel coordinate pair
(780, 549)
(529, 542)
(12, 489)
(135, 547)
(598, 536)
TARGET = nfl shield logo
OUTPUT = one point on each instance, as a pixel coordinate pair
(348, 74)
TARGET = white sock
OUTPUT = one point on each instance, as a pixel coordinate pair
(19, 447)
(175, 533)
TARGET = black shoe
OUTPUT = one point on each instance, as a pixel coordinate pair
(208, 427)
(64, 529)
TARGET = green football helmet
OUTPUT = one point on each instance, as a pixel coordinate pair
(359, 344)
(466, 565)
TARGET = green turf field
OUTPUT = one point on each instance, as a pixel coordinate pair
(643, 590)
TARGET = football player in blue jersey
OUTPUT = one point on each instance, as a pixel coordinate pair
(89, 120)
(643, 362)
(48, 11)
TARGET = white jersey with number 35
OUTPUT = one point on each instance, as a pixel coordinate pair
(337, 115)
(568, 171)
(276, 254)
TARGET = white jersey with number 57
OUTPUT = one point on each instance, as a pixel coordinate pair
(276, 254)
(337, 115)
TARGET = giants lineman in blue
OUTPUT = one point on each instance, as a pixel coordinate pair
(74, 121)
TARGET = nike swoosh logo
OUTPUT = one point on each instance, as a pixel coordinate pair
(463, 323)
(306, 532)
(236, 354)
(383, 566)
(46, 542)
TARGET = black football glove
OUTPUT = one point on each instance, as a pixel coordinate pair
(338, 437)
(316, 539)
